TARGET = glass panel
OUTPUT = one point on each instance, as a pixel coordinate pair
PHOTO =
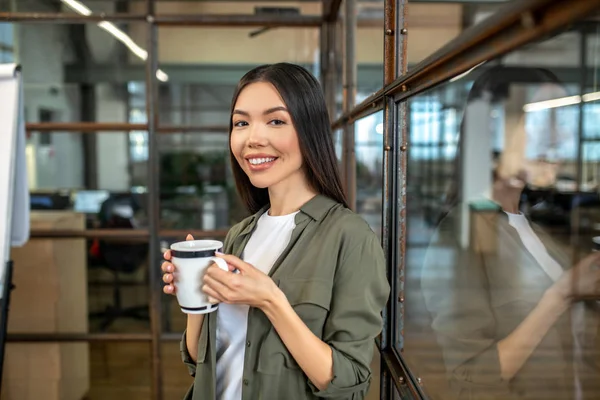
(369, 168)
(369, 59)
(90, 80)
(430, 27)
(68, 6)
(203, 77)
(197, 186)
(338, 142)
(494, 275)
(6, 34)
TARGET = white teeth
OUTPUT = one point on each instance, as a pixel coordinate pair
(258, 161)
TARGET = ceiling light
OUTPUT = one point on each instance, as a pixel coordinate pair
(117, 33)
(561, 102)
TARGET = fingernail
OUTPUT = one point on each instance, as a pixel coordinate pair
(219, 253)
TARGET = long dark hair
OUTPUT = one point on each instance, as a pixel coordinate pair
(305, 102)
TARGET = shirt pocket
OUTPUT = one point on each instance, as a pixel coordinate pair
(311, 300)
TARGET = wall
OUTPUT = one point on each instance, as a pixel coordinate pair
(430, 27)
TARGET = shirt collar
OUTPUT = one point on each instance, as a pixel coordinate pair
(315, 208)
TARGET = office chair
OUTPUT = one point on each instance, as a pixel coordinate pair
(118, 212)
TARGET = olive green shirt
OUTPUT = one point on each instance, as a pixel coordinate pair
(333, 274)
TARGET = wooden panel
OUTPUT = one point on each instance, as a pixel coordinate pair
(50, 276)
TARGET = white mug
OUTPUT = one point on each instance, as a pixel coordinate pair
(191, 260)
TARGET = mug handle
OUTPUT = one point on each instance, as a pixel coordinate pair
(220, 263)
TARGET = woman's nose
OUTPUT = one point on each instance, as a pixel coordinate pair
(256, 136)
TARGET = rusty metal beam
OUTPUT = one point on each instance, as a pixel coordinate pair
(349, 147)
(87, 337)
(217, 20)
(84, 127)
(78, 337)
(514, 25)
(232, 20)
(331, 10)
(67, 18)
(177, 20)
(193, 129)
(122, 234)
(119, 127)
(406, 388)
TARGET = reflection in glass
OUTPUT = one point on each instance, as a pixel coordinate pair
(501, 281)
(369, 166)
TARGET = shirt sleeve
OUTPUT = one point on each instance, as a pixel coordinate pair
(185, 355)
(359, 295)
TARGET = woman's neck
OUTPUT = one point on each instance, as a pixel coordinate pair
(287, 197)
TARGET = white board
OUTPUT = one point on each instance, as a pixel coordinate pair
(14, 191)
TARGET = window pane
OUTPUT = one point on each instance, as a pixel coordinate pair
(496, 227)
(369, 166)
(6, 34)
(69, 7)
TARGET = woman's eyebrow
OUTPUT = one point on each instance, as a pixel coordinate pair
(274, 109)
(266, 112)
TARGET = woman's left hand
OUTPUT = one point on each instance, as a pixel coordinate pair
(250, 286)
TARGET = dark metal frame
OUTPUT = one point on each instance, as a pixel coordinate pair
(516, 24)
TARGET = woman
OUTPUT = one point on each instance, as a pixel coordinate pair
(299, 319)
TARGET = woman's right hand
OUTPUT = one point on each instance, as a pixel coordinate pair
(168, 268)
(581, 281)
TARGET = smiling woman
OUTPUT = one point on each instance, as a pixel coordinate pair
(264, 142)
(301, 303)
(281, 108)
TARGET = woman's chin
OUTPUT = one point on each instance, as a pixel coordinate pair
(260, 183)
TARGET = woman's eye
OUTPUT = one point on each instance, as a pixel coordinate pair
(277, 122)
(239, 124)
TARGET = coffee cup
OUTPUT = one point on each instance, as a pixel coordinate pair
(191, 260)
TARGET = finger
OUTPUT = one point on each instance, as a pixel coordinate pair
(235, 262)
(189, 237)
(213, 295)
(169, 289)
(167, 267)
(216, 273)
(221, 286)
(167, 256)
(168, 278)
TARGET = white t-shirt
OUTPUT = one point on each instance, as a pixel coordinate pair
(271, 236)
(534, 245)
(536, 248)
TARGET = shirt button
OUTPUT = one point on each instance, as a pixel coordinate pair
(246, 382)
(248, 343)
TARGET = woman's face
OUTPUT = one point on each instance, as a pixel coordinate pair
(263, 138)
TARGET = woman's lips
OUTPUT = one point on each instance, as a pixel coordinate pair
(261, 163)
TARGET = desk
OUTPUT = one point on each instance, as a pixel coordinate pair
(50, 296)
